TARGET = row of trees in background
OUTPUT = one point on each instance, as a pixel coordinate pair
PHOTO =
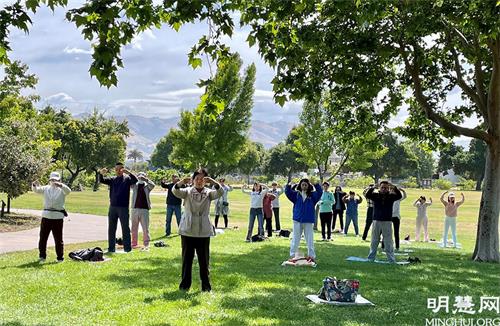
(33, 141)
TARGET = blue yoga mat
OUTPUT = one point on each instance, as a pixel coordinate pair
(365, 260)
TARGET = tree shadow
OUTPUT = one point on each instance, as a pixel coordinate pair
(175, 295)
(34, 264)
(254, 283)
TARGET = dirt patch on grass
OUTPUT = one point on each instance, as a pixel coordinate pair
(17, 222)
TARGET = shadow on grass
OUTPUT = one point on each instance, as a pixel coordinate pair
(253, 284)
(33, 264)
(176, 295)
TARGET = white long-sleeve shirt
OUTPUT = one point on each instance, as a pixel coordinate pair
(53, 198)
(396, 206)
(223, 198)
(256, 198)
(277, 193)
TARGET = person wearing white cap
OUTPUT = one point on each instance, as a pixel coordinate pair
(54, 196)
(450, 220)
(141, 204)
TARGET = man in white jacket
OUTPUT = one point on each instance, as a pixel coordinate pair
(54, 196)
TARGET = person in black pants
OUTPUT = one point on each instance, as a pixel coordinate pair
(369, 213)
(119, 197)
(53, 214)
(195, 228)
(338, 208)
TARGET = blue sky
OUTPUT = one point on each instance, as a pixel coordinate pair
(156, 80)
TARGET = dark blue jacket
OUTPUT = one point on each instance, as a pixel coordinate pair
(119, 188)
(382, 203)
(304, 210)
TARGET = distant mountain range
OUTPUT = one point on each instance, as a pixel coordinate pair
(146, 132)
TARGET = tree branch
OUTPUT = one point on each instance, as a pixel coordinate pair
(341, 165)
(494, 88)
(418, 91)
(479, 78)
(465, 87)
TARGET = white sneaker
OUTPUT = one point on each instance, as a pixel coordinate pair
(60, 260)
(41, 260)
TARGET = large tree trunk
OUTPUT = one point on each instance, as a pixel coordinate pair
(8, 204)
(479, 182)
(487, 245)
(2, 211)
(74, 174)
(73, 177)
(96, 181)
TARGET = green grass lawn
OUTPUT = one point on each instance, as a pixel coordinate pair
(249, 285)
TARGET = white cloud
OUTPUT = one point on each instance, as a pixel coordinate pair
(136, 42)
(140, 101)
(180, 93)
(59, 98)
(74, 50)
(263, 94)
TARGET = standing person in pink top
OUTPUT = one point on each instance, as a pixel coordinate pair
(450, 220)
(421, 204)
(267, 207)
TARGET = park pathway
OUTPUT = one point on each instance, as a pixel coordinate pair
(77, 228)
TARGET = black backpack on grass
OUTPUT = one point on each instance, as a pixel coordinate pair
(257, 238)
(89, 254)
(284, 233)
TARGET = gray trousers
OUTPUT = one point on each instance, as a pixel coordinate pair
(384, 228)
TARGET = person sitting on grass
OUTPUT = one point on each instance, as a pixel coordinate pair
(304, 197)
(450, 220)
(383, 202)
(421, 204)
(54, 197)
(351, 213)
(195, 227)
(256, 200)
(325, 212)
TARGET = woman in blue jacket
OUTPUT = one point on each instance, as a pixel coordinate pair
(304, 197)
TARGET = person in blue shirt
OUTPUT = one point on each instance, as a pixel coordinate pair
(351, 213)
(304, 197)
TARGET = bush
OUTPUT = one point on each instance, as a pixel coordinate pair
(160, 174)
(442, 184)
(410, 183)
(359, 182)
(87, 180)
(468, 185)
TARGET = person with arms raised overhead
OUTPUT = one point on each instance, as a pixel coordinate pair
(119, 198)
(383, 202)
(195, 228)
